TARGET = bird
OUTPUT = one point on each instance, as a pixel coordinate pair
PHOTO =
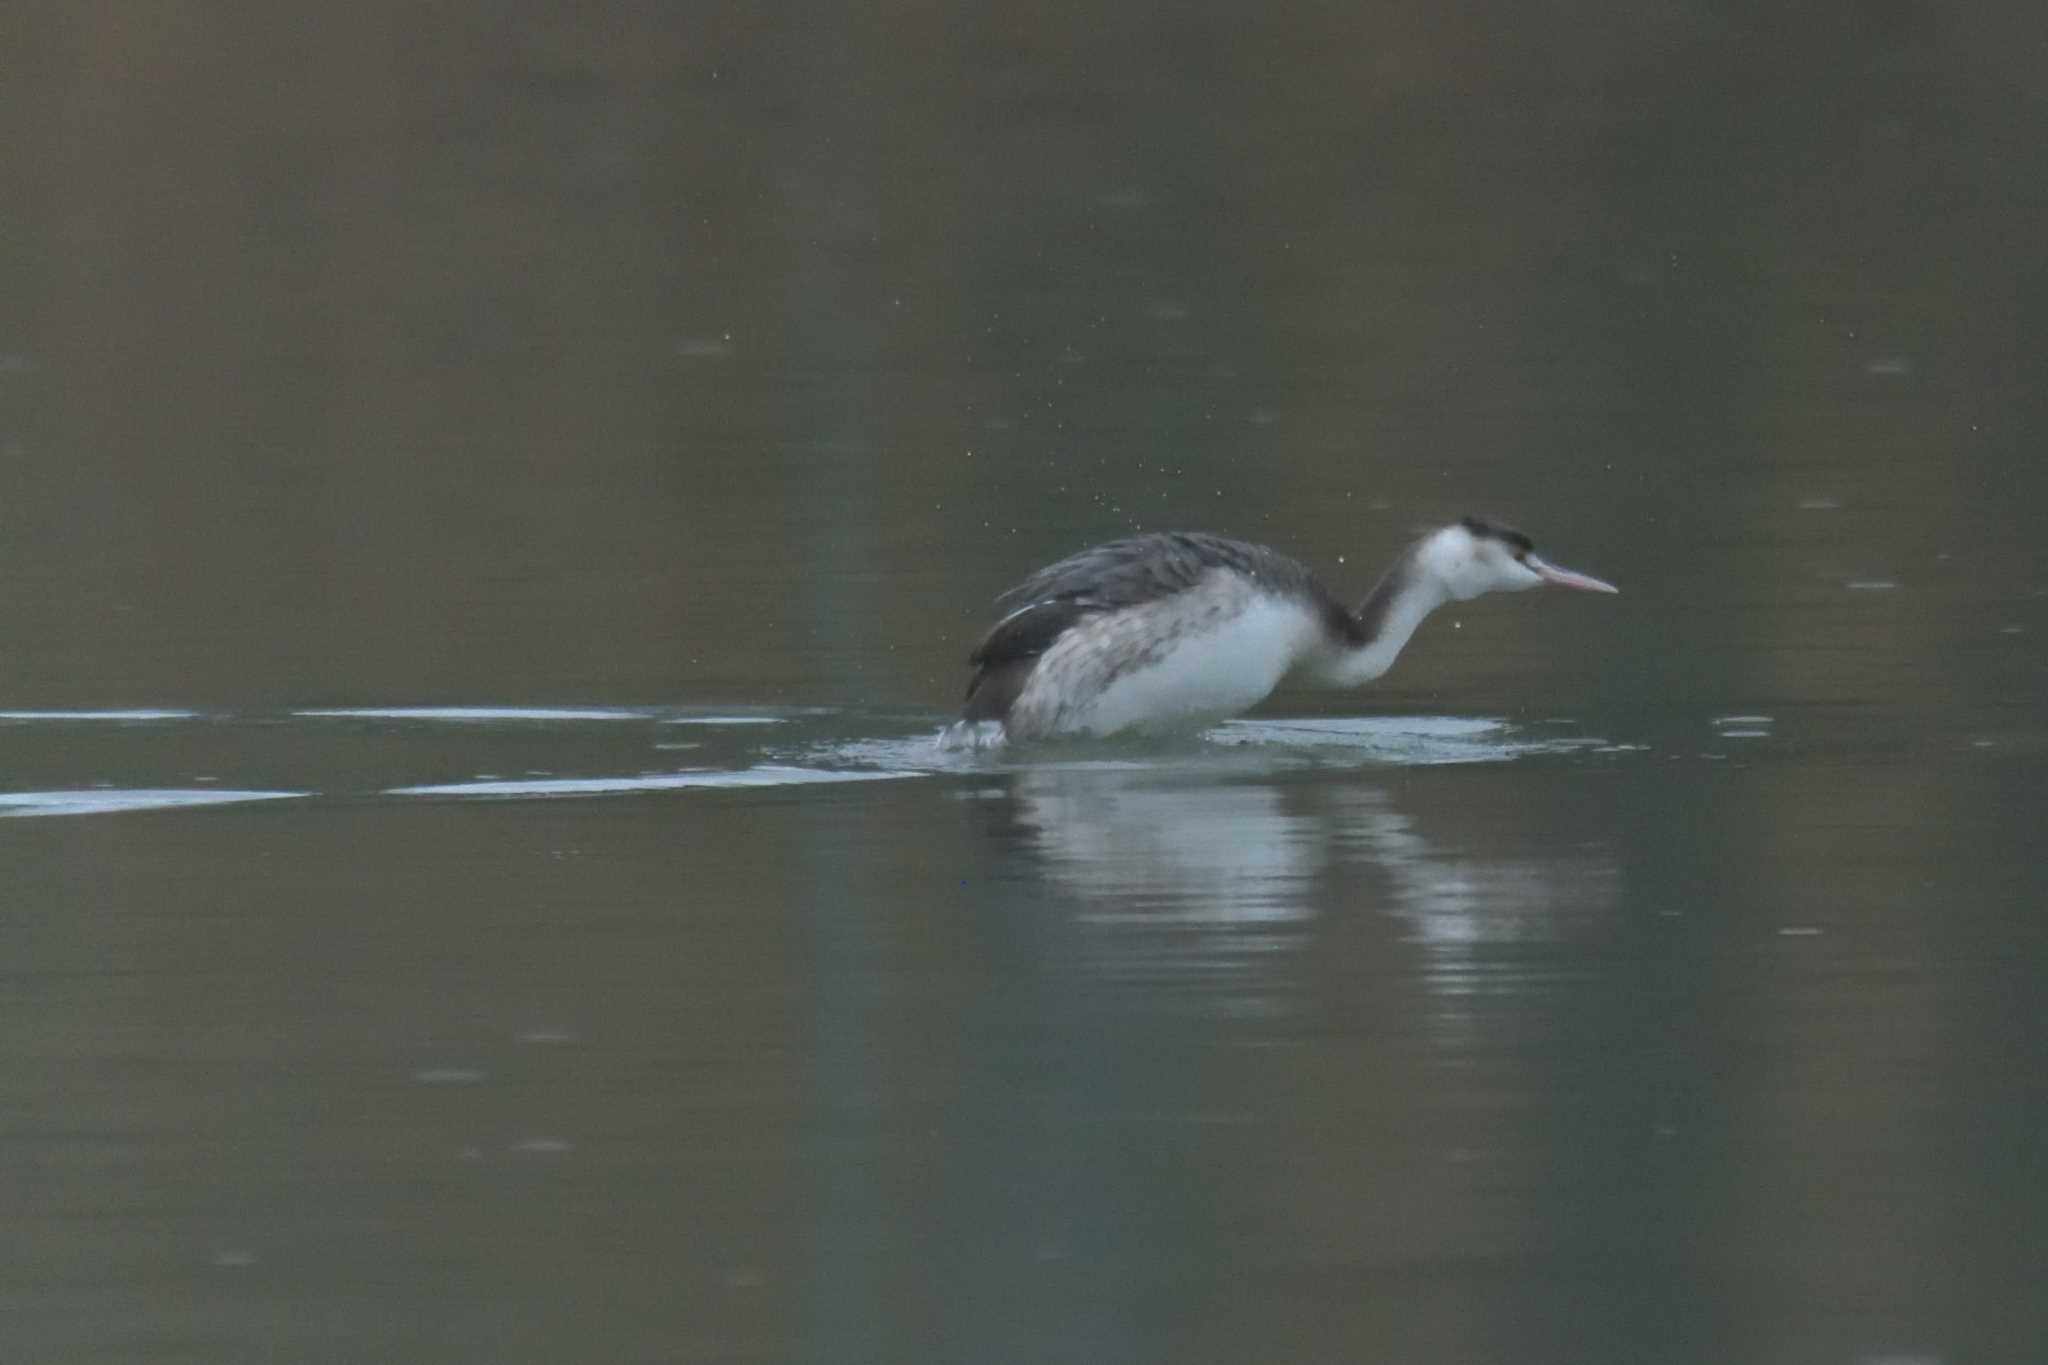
(1173, 631)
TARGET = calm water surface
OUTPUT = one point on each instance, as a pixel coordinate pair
(495, 502)
(672, 1034)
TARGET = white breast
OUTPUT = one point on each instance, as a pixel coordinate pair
(1174, 665)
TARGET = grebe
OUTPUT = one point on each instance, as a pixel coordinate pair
(1176, 630)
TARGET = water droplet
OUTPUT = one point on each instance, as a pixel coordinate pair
(544, 1146)
(548, 1037)
(449, 1075)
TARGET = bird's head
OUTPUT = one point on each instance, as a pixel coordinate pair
(1471, 557)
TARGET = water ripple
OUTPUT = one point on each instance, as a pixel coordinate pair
(107, 800)
(763, 775)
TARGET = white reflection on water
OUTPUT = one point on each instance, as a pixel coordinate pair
(1450, 899)
(1211, 880)
(1465, 911)
(1148, 846)
(1183, 885)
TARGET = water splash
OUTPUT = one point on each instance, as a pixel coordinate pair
(1248, 747)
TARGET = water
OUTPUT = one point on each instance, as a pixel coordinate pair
(496, 506)
(509, 1030)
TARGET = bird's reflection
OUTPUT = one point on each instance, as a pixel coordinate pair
(1175, 883)
(1478, 925)
(1449, 898)
(1210, 885)
(1161, 945)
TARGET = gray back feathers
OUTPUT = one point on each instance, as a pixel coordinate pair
(1146, 568)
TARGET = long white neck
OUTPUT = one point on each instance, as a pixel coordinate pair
(1386, 620)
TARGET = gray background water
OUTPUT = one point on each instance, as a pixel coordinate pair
(724, 361)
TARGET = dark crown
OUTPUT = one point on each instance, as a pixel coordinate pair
(1520, 543)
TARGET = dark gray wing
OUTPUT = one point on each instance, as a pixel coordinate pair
(1139, 569)
(1005, 657)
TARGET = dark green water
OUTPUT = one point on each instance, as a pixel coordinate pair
(1646, 979)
